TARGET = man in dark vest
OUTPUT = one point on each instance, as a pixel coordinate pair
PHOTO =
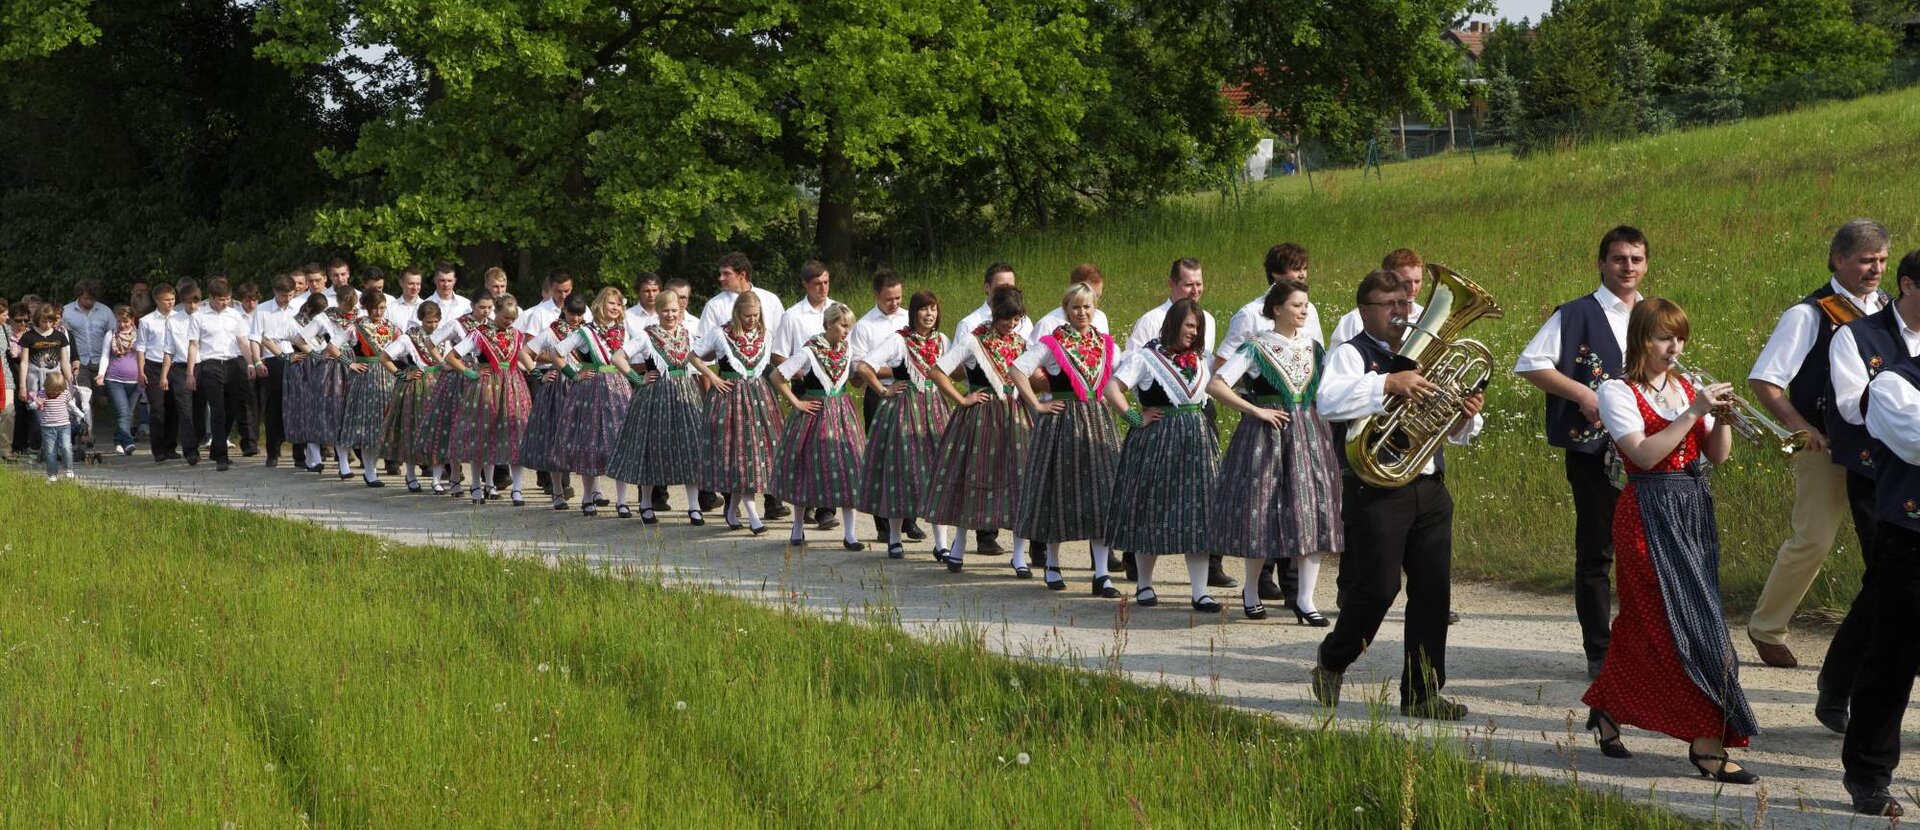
(1884, 683)
(1393, 530)
(1861, 350)
(1577, 349)
(1793, 380)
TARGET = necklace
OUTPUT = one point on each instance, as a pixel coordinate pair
(1660, 392)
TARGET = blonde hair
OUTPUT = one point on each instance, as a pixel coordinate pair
(600, 302)
(505, 306)
(1077, 290)
(836, 312)
(750, 301)
(55, 383)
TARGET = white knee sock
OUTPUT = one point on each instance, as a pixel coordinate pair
(479, 481)
(313, 455)
(340, 455)
(749, 504)
(693, 498)
(1197, 573)
(939, 536)
(1052, 556)
(436, 474)
(1309, 567)
(515, 474)
(589, 489)
(620, 493)
(1100, 554)
(646, 497)
(799, 522)
(959, 549)
(370, 471)
(1019, 552)
(846, 526)
(1144, 562)
(893, 531)
(1250, 584)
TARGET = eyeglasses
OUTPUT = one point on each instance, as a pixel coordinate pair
(1393, 303)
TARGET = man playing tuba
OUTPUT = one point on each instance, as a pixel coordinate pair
(1390, 530)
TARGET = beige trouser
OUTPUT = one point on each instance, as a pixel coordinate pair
(1819, 506)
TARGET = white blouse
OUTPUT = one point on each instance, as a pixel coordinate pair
(1621, 413)
(1145, 368)
(1295, 358)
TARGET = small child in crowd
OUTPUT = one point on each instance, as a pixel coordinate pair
(57, 414)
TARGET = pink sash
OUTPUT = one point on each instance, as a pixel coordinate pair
(1067, 366)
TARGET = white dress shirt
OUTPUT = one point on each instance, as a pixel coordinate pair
(222, 333)
(1893, 416)
(402, 313)
(87, 330)
(1850, 371)
(450, 307)
(1349, 392)
(1543, 351)
(1147, 328)
(799, 322)
(150, 337)
(1793, 337)
(1621, 413)
(273, 324)
(533, 321)
(1350, 324)
(984, 315)
(892, 351)
(1057, 317)
(873, 328)
(719, 310)
(182, 332)
(1248, 321)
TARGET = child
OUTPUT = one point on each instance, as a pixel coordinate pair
(57, 410)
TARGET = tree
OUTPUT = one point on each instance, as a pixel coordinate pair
(1638, 75)
(1506, 107)
(1788, 52)
(1714, 96)
(1336, 71)
(34, 28)
(1573, 79)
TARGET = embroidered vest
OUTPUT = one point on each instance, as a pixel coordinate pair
(1379, 361)
(1878, 337)
(1588, 356)
(1897, 487)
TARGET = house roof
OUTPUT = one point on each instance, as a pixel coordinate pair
(1240, 98)
(1472, 38)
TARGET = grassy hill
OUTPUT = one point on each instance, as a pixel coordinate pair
(1739, 218)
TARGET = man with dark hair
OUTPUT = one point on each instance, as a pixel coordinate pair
(1406, 264)
(1389, 531)
(271, 330)
(339, 278)
(446, 295)
(401, 311)
(88, 323)
(736, 278)
(177, 378)
(1793, 379)
(1580, 347)
(219, 366)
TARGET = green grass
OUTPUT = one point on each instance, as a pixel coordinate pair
(1739, 218)
(169, 664)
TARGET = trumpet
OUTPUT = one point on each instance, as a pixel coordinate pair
(1749, 421)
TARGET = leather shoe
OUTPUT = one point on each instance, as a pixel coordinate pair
(1270, 591)
(913, 532)
(1830, 709)
(1217, 576)
(987, 542)
(1873, 801)
(1326, 685)
(1435, 708)
(1776, 655)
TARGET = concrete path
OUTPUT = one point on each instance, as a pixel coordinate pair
(1514, 659)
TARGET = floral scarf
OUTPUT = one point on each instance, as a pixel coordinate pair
(1086, 359)
(672, 346)
(999, 352)
(747, 351)
(831, 362)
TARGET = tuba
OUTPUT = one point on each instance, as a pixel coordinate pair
(1749, 421)
(1389, 449)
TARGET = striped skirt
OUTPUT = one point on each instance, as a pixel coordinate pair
(1069, 475)
(665, 434)
(902, 452)
(322, 393)
(1279, 491)
(1164, 486)
(400, 436)
(551, 400)
(492, 420)
(819, 460)
(590, 428)
(364, 413)
(436, 421)
(976, 481)
(743, 424)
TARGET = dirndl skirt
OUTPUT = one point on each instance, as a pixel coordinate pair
(322, 394)
(590, 428)
(665, 434)
(400, 436)
(743, 426)
(1279, 491)
(819, 459)
(976, 482)
(436, 421)
(551, 399)
(902, 453)
(1069, 475)
(364, 413)
(1164, 486)
(492, 421)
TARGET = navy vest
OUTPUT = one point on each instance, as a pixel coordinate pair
(1812, 386)
(1878, 337)
(1588, 356)
(1379, 361)
(1898, 485)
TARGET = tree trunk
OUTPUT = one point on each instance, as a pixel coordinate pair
(833, 234)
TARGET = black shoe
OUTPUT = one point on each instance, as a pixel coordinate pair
(940, 555)
(193, 460)
(1217, 577)
(589, 509)
(413, 486)
(623, 511)
(1130, 566)
(1270, 591)
(249, 453)
(880, 525)
(710, 501)
(343, 476)
(954, 565)
(1053, 579)
(733, 523)
(856, 545)
(272, 463)
(757, 529)
(912, 531)
(1718, 771)
(695, 518)
(1312, 618)
(1453, 618)
(1114, 564)
(772, 509)
(376, 483)
(1207, 605)
(1023, 573)
(1830, 709)
(1434, 708)
(647, 516)
(562, 505)
(1146, 597)
(1873, 801)
(896, 551)
(660, 501)
(518, 500)
(1103, 587)
(797, 541)
(1256, 611)
(825, 519)
(1600, 724)
(221, 466)
(1326, 685)
(988, 543)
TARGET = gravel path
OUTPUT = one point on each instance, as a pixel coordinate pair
(1515, 658)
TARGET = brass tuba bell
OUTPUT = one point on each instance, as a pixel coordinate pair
(1390, 449)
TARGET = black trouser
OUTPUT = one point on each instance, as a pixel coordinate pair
(179, 402)
(223, 383)
(1884, 682)
(869, 406)
(271, 392)
(163, 435)
(85, 381)
(1839, 671)
(1593, 501)
(1389, 531)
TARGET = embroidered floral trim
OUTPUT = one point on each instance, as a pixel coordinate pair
(424, 346)
(833, 360)
(674, 346)
(1001, 351)
(922, 351)
(749, 348)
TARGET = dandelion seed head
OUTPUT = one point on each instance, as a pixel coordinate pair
(500, 707)
(542, 667)
(679, 706)
(269, 766)
(1023, 759)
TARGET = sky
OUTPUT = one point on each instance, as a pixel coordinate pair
(1516, 9)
